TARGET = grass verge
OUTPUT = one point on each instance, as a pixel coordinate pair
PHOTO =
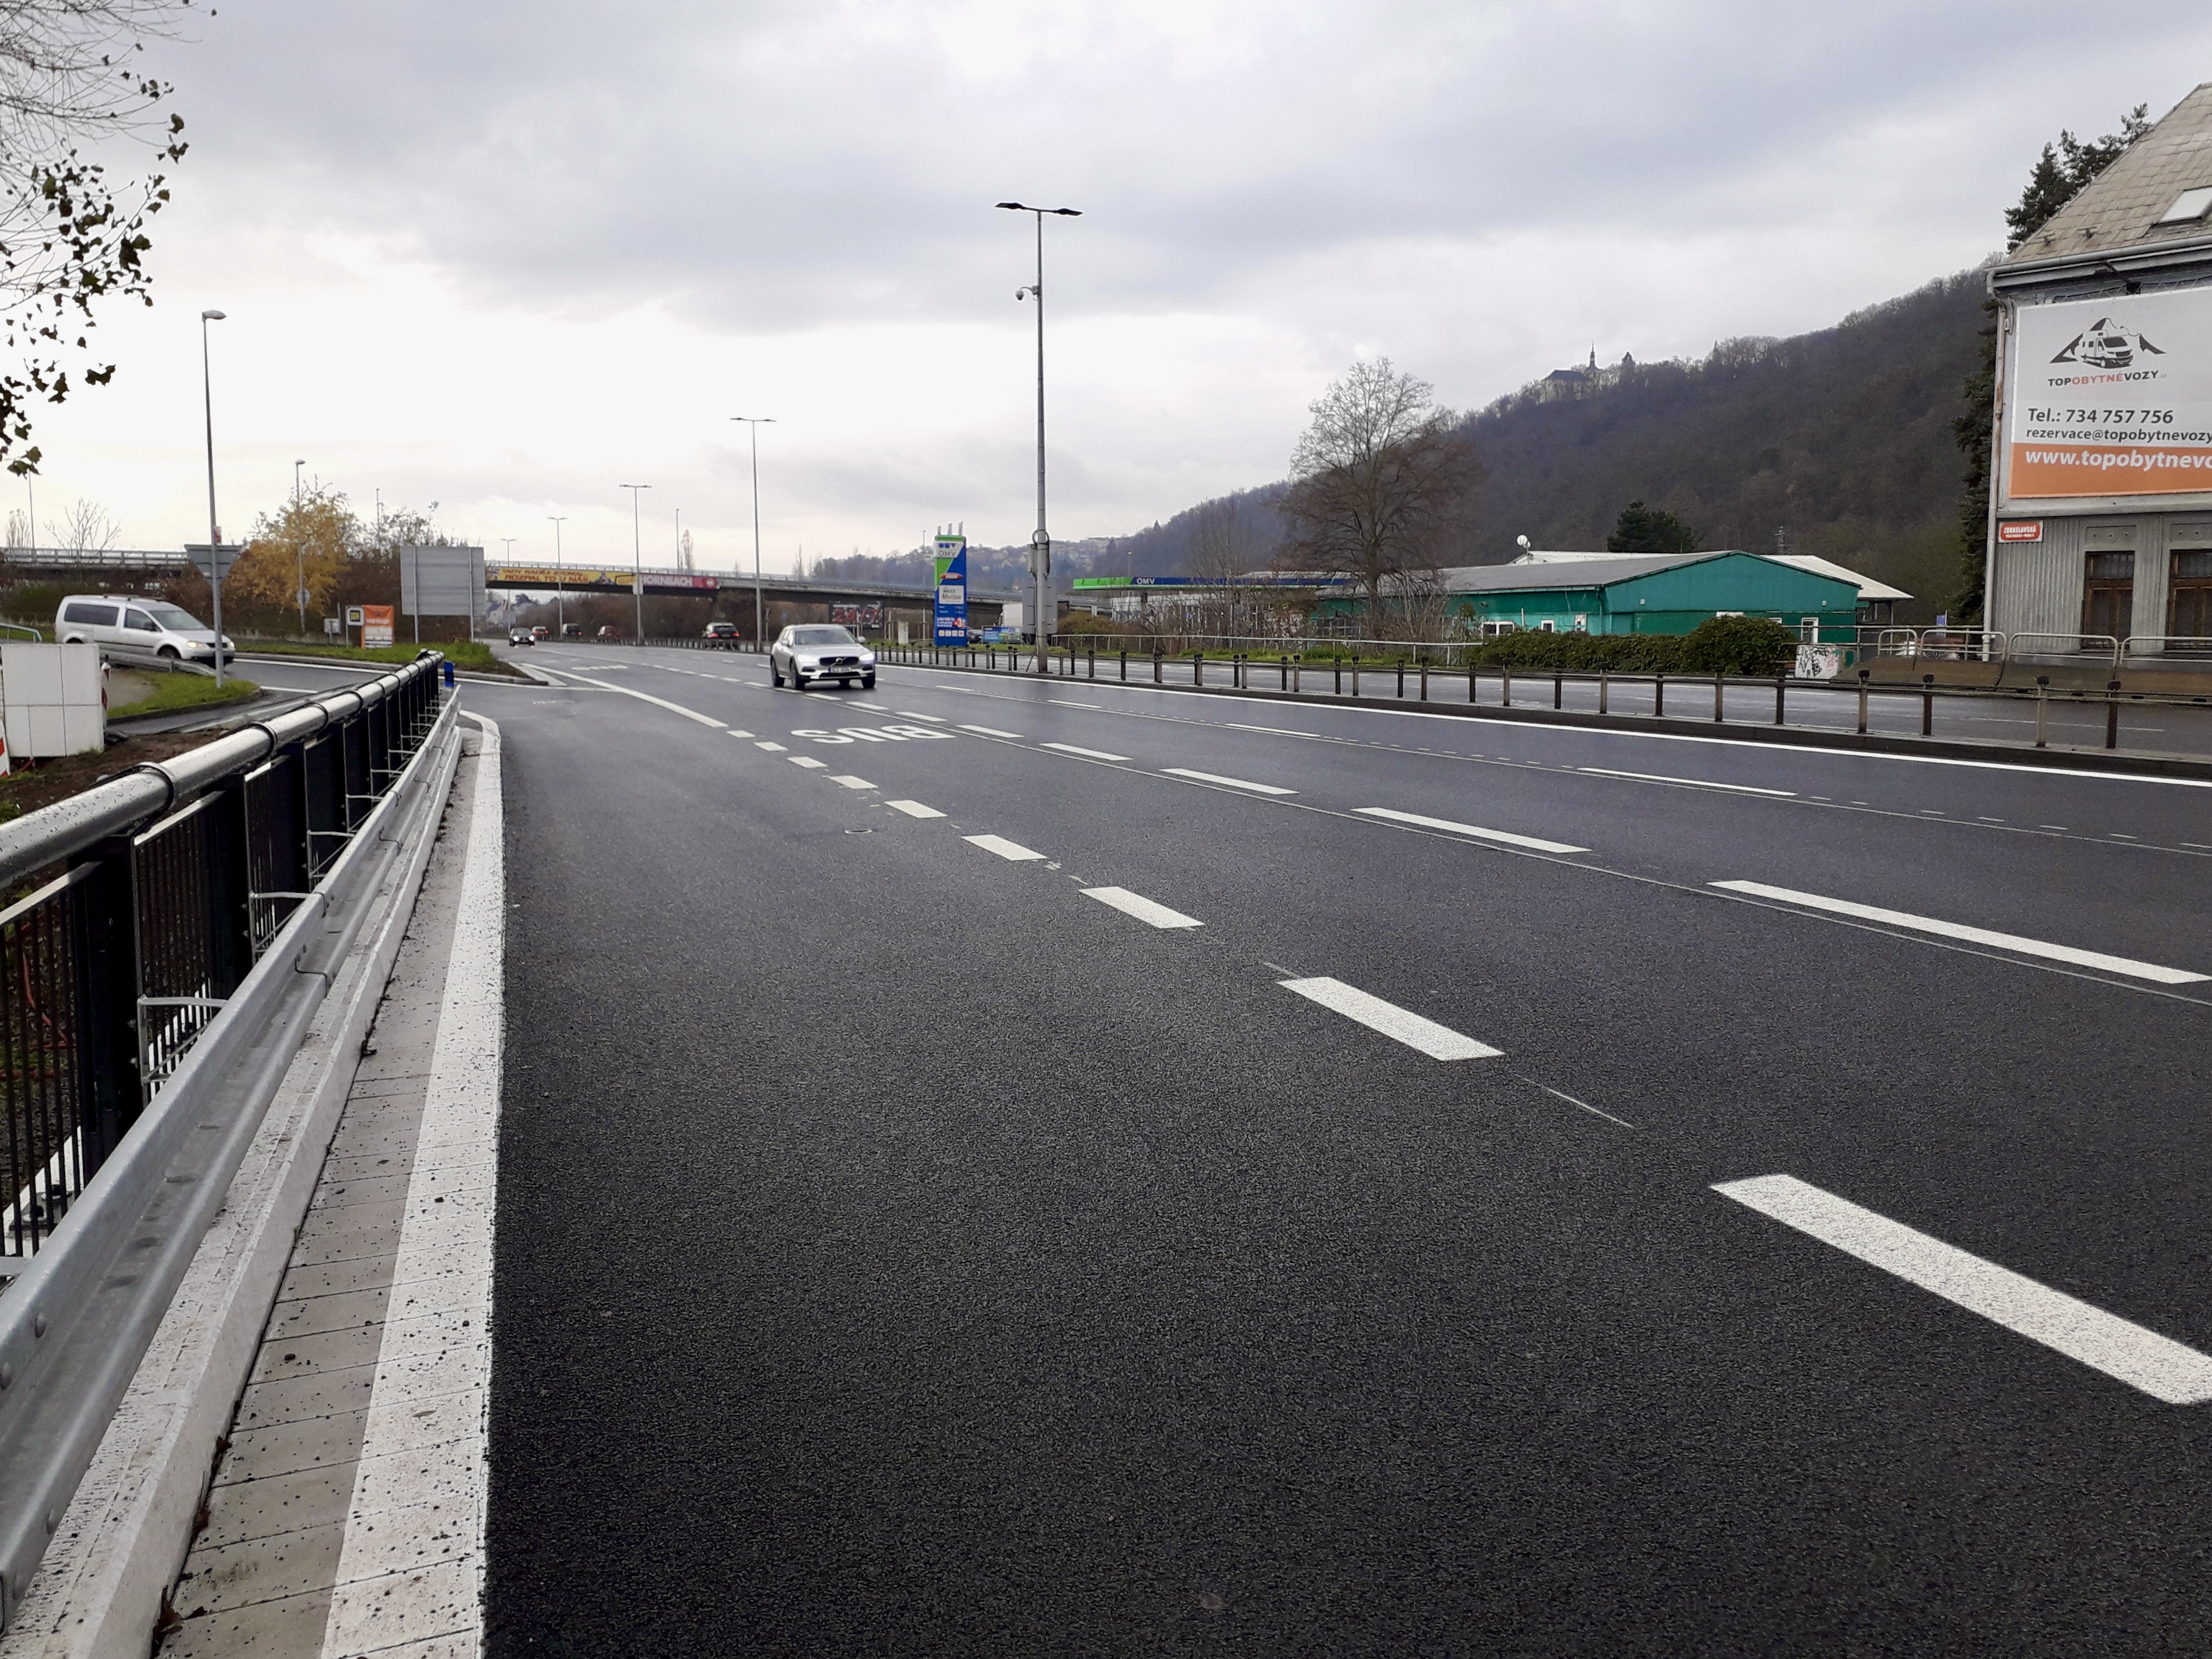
(175, 692)
(474, 655)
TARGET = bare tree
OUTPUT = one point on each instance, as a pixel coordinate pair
(1220, 552)
(1380, 482)
(69, 236)
(85, 528)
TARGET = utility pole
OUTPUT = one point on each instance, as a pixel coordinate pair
(298, 548)
(753, 424)
(215, 531)
(1041, 541)
(560, 583)
(636, 559)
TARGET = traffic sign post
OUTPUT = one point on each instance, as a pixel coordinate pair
(214, 560)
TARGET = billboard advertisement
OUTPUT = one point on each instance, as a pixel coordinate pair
(951, 562)
(376, 624)
(2110, 397)
(869, 616)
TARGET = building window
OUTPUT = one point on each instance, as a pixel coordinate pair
(2108, 596)
(2189, 598)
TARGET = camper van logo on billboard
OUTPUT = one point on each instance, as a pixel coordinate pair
(2107, 345)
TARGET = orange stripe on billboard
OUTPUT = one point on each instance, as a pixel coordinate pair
(2108, 470)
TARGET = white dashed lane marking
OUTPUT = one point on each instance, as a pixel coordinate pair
(993, 731)
(773, 748)
(809, 761)
(1087, 753)
(2161, 1367)
(1534, 843)
(852, 783)
(1697, 783)
(913, 808)
(934, 720)
(1144, 910)
(1233, 783)
(2013, 942)
(1011, 850)
(1437, 1042)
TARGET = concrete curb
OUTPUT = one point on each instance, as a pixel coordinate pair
(98, 1593)
(2133, 761)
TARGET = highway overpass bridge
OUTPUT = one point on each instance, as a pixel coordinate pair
(984, 603)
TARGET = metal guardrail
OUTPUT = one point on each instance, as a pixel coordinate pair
(151, 996)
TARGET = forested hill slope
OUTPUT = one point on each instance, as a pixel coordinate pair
(1842, 438)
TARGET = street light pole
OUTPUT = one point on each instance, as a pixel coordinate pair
(1041, 542)
(299, 547)
(636, 560)
(560, 583)
(214, 531)
(753, 424)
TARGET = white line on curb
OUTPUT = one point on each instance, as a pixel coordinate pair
(1144, 910)
(2157, 1365)
(1006, 849)
(1234, 783)
(852, 783)
(2028, 947)
(1534, 843)
(1696, 783)
(913, 808)
(443, 1278)
(993, 731)
(1437, 1042)
(1087, 753)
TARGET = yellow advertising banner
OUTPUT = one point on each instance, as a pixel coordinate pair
(531, 575)
(2110, 397)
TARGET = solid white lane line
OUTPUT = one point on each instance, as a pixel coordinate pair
(1064, 703)
(852, 783)
(934, 720)
(993, 731)
(810, 762)
(2027, 947)
(1533, 843)
(1011, 850)
(657, 702)
(1135, 904)
(1698, 783)
(1087, 753)
(913, 808)
(772, 748)
(1437, 1042)
(2157, 1365)
(1233, 783)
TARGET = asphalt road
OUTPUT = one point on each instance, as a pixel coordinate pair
(908, 1246)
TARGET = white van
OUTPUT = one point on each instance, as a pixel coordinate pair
(147, 629)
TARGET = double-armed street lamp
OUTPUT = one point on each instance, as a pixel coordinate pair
(1041, 542)
(636, 558)
(753, 424)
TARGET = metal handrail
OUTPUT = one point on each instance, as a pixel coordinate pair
(72, 1325)
(2165, 645)
(2107, 648)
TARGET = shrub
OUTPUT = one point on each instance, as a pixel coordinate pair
(1745, 645)
(1739, 645)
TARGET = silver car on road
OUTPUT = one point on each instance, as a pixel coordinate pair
(820, 651)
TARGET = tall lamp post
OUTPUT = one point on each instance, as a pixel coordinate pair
(215, 532)
(560, 583)
(636, 560)
(299, 547)
(753, 424)
(1041, 542)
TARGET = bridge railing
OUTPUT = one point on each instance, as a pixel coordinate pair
(160, 931)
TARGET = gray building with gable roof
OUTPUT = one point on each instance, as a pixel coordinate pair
(2100, 521)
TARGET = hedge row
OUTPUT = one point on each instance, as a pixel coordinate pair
(1749, 646)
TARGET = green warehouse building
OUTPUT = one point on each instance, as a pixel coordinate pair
(1657, 595)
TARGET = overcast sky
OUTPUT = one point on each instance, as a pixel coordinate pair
(510, 256)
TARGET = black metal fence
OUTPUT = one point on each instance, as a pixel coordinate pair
(116, 964)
